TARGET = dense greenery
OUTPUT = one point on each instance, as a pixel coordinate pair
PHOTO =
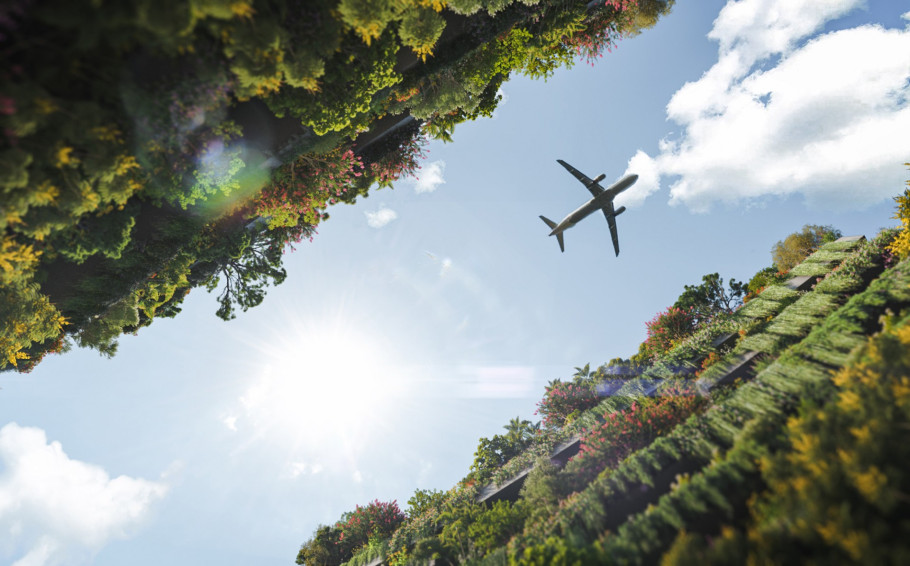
(678, 465)
(143, 152)
(797, 246)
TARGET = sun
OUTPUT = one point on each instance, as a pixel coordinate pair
(321, 383)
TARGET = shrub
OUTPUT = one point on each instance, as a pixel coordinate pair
(420, 29)
(624, 432)
(27, 317)
(901, 244)
(668, 328)
(563, 400)
(787, 253)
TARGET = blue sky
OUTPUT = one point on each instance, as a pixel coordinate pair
(427, 316)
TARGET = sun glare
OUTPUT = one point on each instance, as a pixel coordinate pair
(323, 383)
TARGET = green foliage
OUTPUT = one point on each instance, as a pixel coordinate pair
(563, 402)
(355, 73)
(27, 317)
(901, 244)
(555, 552)
(322, 549)
(492, 453)
(248, 263)
(495, 526)
(835, 491)
(423, 500)
(797, 246)
(94, 157)
(101, 332)
(356, 529)
(369, 18)
(420, 29)
(669, 328)
(711, 298)
(764, 278)
(108, 234)
(542, 490)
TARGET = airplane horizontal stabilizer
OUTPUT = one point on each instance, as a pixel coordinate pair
(548, 222)
(552, 225)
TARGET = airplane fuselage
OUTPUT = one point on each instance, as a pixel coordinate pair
(595, 204)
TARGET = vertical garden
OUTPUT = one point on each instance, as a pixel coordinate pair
(148, 149)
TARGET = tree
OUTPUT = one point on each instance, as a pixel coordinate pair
(563, 401)
(250, 262)
(669, 328)
(901, 244)
(797, 246)
(493, 452)
(763, 278)
(711, 298)
(322, 549)
(423, 500)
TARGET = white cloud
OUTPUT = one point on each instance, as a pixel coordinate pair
(755, 29)
(381, 217)
(502, 102)
(357, 476)
(430, 177)
(648, 182)
(302, 468)
(828, 120)
(230, 422)
(57, 510)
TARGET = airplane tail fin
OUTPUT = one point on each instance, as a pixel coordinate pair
(552, 225)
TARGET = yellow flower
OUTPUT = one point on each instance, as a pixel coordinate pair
(846, 457)
(107, 133)
(848, 401)
(46, 193)
(437, 5)
(799, 484)
(856, 544)
(45, 106)
(242, 9)
(870, 483)
(133, 186)
(862, 434)
(270, 84)
(65, 157)
(13, 357)
(125, 163)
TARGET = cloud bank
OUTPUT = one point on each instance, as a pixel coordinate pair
(56, 510)
(779, 114)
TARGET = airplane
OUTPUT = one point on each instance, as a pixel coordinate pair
(603, 200)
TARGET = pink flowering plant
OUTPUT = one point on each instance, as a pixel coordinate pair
(562, 401)
(377, 521)
(300, 192)
(623, 432)
(602, 33)
(669, 328)
(402, 162)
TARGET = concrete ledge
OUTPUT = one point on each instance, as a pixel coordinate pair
(737, 369)
(724, 340)
(564, 452)
(506, 492)
(851, 239)
(802, 283)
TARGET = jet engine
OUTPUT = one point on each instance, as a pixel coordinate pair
(600, 178)
(619, 211)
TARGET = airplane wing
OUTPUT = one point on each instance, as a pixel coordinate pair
(610, 213)
(594, 188)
